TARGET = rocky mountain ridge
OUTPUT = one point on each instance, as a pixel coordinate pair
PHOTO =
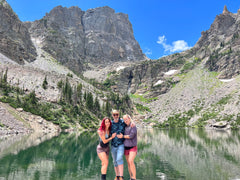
(81, 40)
(219, 46)
(15, 41)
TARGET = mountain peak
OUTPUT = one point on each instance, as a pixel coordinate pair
(225, 10)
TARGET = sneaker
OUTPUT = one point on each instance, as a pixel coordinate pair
(116, 178)
(121, 178)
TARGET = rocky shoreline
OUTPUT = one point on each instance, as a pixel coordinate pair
(16, 121)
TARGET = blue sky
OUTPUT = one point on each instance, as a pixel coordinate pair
(161, 27)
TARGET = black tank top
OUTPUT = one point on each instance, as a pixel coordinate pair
(101, 142)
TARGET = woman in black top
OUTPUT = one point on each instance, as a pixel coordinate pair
(103, 146)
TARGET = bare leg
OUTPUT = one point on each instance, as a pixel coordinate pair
(116, 171)
(120, 168)
(131, 158)
(104, 158)
(129, 170)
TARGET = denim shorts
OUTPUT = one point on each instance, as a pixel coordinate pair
(117, 154)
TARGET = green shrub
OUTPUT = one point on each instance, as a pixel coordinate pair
(190, 113)
(196, 60)
(6, 99)
(1, 125)
(111, 73)
(60, 84)
(224, 100)
(142, 99)
(201, 122)
(69, 75)
(187, 66)
(108, 83)
(64, 126)
(175, 121)
(142, 108)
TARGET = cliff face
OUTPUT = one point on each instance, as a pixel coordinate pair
(15, 41)
(109, 36)
(81, 39)
(219, 45)
(61, 35)
(144, 76)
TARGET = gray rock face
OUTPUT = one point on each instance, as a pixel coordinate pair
(220, 45)
(81, 39)
(109, 36)
(15, 41)
(62, 35)
(144, 75)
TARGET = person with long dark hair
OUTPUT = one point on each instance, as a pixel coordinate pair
(103, 146)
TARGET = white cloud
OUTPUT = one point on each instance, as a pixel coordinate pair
(161, 40)
(148, 51)
(180, 45)
(176, 46)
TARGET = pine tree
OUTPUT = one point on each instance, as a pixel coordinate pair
(96, 106)
(118, 102)
(5, 76)
(103, 110)
(85, 96)
(45, 83)
(108, 109)
(79, 92)
(60, 84)
(67, 91)
(89, 101)
(4, 84)
(32, 98)
(18, 100)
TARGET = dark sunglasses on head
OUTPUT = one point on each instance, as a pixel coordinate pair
(115, 114)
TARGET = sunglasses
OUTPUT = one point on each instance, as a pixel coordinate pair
(115, 114)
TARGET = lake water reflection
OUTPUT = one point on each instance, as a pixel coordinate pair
(162, 154)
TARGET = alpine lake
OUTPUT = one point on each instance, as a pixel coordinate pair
(183, 154)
